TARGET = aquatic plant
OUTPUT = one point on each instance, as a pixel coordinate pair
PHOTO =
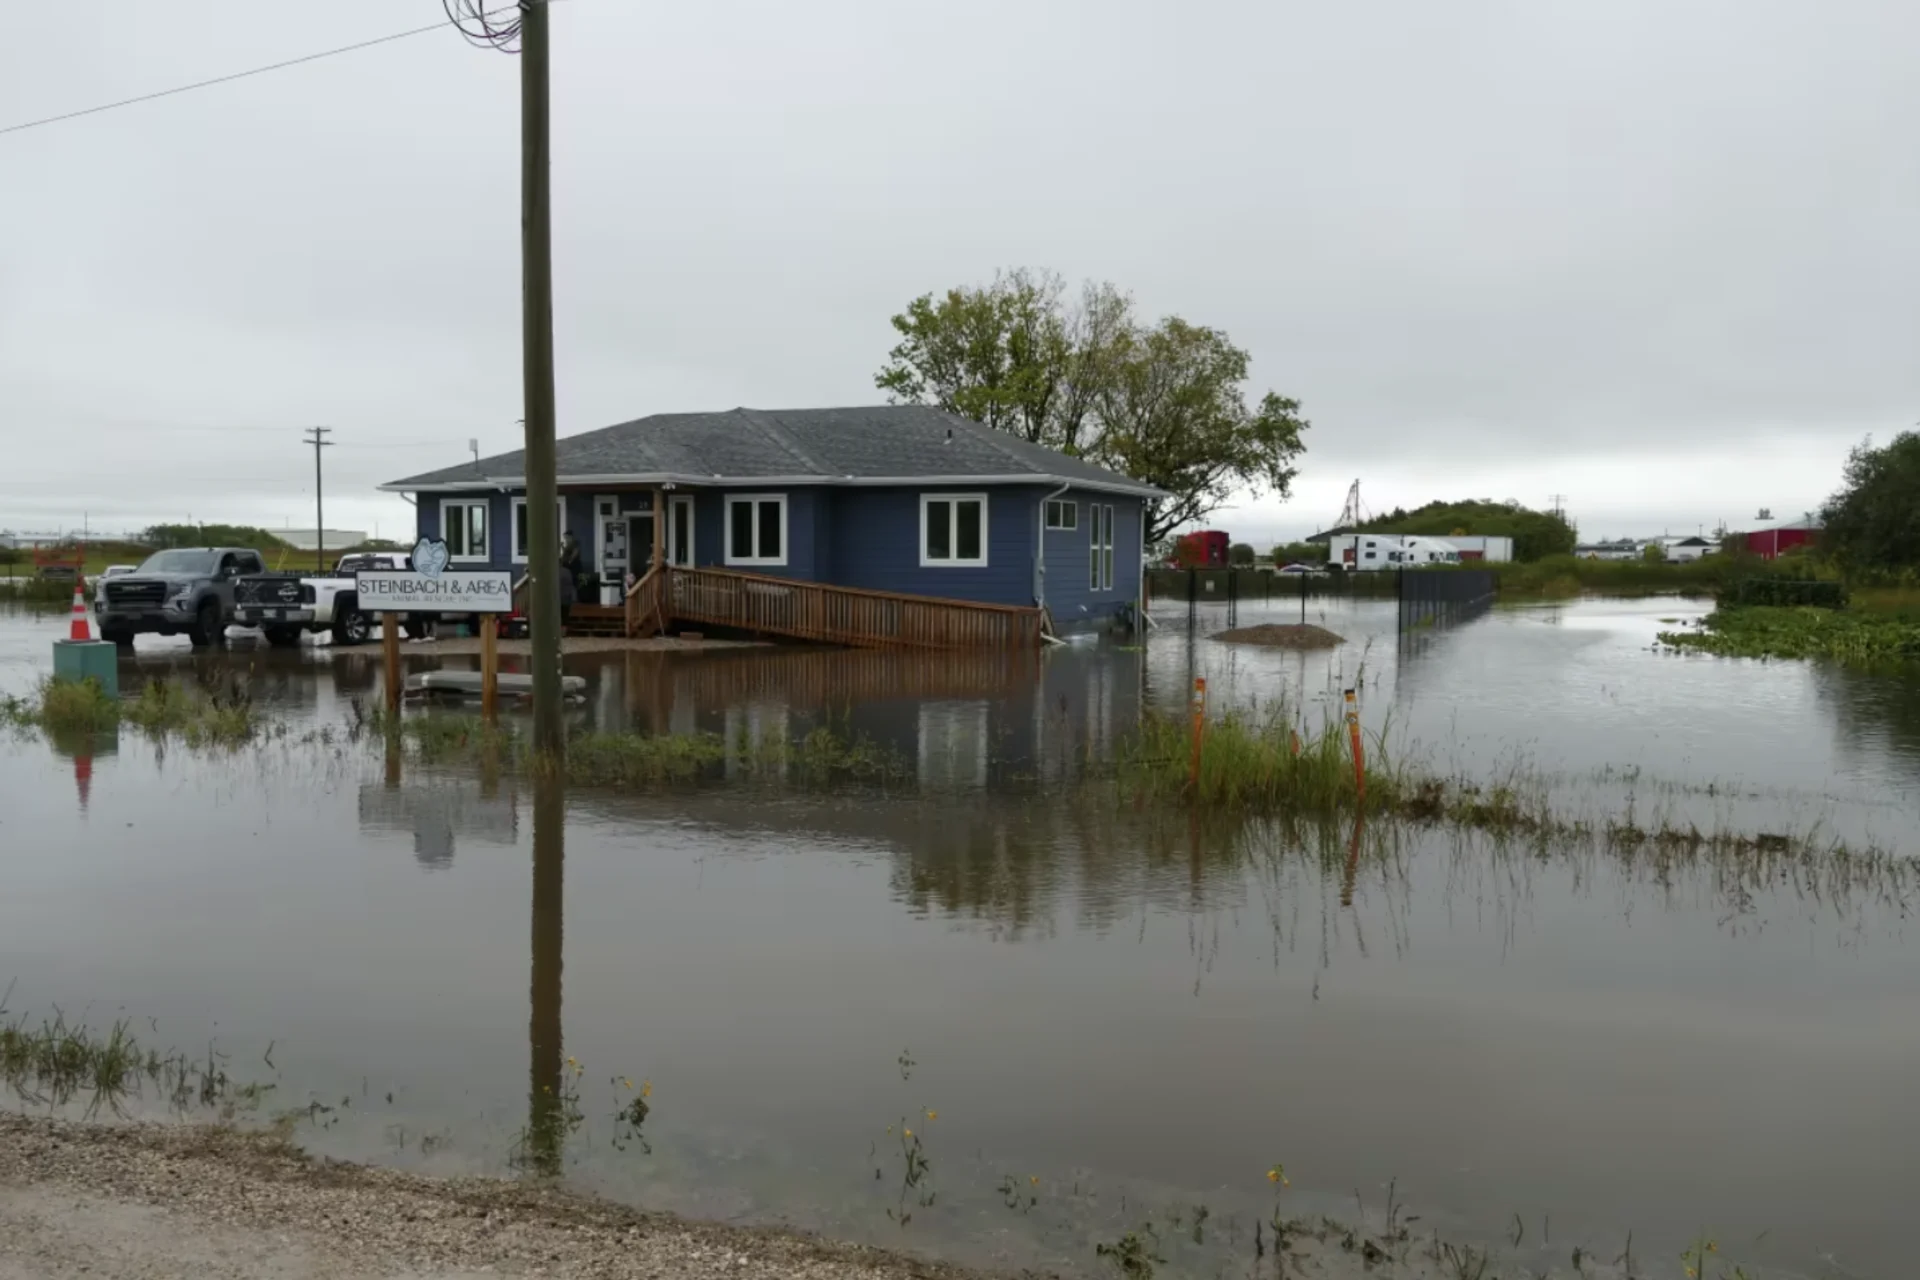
(1802, 632)
(55, 1063)
(1135, 1254)
(215, 716)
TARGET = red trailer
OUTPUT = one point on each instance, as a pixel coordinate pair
(1204, 549)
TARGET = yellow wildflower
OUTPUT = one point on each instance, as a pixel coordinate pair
(1034, 1180)
(907, 1132)
(933, 1115)
(628, 1083)
(646, 1088)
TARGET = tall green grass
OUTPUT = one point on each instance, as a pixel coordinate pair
(213, 717)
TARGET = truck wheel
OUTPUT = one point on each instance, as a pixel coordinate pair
(282, 637)
(209, 627)
(117, 637)
(352, 627)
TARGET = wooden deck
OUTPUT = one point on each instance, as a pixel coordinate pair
(797, 610)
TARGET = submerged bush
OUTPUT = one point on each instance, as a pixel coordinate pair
(1786, 592)
(1802, 633)
(64, 708)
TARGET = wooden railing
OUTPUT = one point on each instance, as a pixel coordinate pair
(644, 602)
(844, 615)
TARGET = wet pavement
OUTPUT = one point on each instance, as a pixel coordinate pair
(1143, 1014)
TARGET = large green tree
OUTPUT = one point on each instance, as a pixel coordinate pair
(1873, 522)
(1165, 404)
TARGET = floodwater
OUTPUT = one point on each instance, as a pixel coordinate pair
(1141, 1013)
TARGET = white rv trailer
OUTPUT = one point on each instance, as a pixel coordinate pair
(1364, 552)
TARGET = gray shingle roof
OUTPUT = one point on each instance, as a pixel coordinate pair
(828, 446)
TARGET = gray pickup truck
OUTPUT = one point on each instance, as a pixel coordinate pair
(185, 591)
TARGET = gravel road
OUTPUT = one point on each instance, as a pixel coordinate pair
(155, 1202)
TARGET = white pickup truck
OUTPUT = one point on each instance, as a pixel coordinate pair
(284, 604)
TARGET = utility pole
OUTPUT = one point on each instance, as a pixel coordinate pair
(317, 437)
(536, 266)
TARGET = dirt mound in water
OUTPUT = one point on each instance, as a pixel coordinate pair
(1275, 635)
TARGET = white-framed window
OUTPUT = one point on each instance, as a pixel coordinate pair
(463, 527)
(1099, 547)
(757, 528)
(1062, 514)
(953, 530)
(680, 529)
(523, 537)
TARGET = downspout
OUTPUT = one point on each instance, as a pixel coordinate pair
(1040, 558)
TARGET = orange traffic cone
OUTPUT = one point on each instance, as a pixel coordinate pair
(80, 630)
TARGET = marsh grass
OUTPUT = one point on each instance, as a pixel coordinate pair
(1854, 636)
(215, 715)
(57, 1063)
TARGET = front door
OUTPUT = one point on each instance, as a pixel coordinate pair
(609, 539)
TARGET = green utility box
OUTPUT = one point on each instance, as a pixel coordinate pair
(88, 660)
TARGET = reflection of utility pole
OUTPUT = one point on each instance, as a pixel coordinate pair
(316, 436)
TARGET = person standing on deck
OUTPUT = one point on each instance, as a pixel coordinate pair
(569, 584)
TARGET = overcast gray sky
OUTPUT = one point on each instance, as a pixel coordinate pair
(1659, 256)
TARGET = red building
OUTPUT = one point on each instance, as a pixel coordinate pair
(1768, 543)
(1204, 549)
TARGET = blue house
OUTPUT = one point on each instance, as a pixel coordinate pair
(704, 515)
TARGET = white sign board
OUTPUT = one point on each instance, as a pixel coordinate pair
(430, 588)
(390, 591)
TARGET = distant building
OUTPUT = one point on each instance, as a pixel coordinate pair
(1681, 550)
(1494, 548)
(308, 540)
(1782, 538)
(1202, 549)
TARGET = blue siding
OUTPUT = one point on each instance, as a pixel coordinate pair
(876, 545)
(807, 511)
(870, 538)
(1069, 552)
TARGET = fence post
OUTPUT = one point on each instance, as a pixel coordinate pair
(1198, 733)
(1359, 754)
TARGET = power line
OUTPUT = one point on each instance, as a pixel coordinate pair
(237, 75)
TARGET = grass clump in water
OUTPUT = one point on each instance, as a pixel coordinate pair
(1252, 763)
(56, 1063)
(1802, 632)
(63, 707)
(164, 708)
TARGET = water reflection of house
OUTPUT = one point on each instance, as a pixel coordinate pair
(435, 813)
(959, 719)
